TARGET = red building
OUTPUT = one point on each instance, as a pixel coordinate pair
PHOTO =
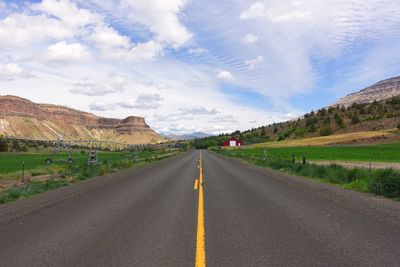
(232, 142)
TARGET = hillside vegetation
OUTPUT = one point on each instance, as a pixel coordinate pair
(375, 116)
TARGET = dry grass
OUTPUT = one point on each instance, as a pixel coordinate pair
(326, 140)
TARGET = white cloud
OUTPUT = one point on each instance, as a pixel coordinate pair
(108, 38)
(161, 17)
(162, 86)
(50, 21)
(225, 75)
(148, 101)
(72, 17)
(64, 53)
(146, 51)
(126, 104)
(181, 129)
(143, 102)
(113, 84)
(252, 63)
(197, 110)
(22, 30)
(101, 106)
(258, 10)
(12, 71)
(223, 119)
(250, 38)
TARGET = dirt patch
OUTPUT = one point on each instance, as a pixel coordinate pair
(44, 177)
(4, 184)
(361, 164)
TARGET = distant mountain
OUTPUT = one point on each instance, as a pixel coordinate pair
(191, 136)
(23, 118)
(379, 91)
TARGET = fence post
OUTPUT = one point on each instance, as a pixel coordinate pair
(23, 172)
(304, 159)
(370, 163)
(293, 158)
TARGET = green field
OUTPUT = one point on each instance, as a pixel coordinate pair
(385, 182)
(10, 162)
(376, 153)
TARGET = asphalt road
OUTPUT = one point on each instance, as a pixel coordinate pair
(149, 217)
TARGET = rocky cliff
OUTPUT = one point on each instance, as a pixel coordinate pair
(379, 91)
(23, 118)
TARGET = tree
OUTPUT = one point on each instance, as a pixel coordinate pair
(263, 131)
(15, 145)
(3, 144)
(355, 119)
(339, 120)
(322, 112)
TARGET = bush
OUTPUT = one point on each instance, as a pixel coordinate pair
(355, 119)
(386, 183)
(327, 130)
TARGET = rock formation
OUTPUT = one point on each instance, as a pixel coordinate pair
(379, 91)
(23, 118)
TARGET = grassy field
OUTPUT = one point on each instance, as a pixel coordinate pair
(326, 140)
(10, 162)
(10, 170)
(381, 182)
(376, 153)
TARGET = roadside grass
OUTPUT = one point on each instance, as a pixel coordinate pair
(31, 189)
(74, 173)
(377, 153)
(380, 182)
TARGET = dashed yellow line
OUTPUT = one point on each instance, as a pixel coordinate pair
(196, 184)
(200, 239)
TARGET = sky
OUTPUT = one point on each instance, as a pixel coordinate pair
(196, 65)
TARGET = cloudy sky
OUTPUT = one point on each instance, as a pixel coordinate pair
(196, 65)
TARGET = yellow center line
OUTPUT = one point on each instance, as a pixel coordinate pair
(200, 239)
(196, 184)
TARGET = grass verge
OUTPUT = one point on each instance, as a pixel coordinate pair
(380, 182)
(75, 173)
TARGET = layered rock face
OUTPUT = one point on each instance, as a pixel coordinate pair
(379, 91)
(23, 118)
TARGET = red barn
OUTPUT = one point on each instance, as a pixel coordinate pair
(232, 142)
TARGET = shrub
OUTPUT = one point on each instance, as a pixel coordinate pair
(325, 131)
(355, 119)
(386, 183)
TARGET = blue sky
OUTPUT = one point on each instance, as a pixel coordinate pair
(196, 65)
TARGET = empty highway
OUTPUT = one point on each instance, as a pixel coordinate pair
(200, 209)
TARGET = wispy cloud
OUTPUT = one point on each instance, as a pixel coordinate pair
(223, 62)
(113, 84)
(101, 106)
